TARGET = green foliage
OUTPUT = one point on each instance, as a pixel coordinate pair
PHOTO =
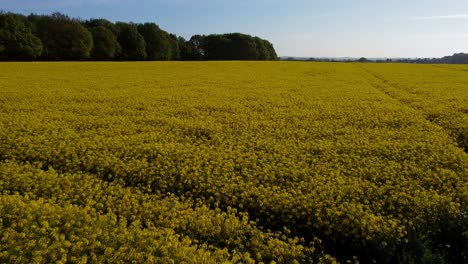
(263, 51)
(16, 39)
(106, 46)
(186, 50)
(236, 46)
(63, 38)
(195, 46)
(174, 44)
(270, 50)
(132, 43)
(100, 22)
(158, 45)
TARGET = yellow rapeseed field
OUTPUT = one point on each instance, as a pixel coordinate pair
(233, 162)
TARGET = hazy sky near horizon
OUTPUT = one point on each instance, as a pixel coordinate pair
(308, 28)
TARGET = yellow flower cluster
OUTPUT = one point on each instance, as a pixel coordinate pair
(213, 228)
(35, 231)
(231, 162)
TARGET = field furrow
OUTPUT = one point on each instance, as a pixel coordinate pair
(442, 97)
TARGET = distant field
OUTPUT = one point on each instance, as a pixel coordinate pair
(211, 162)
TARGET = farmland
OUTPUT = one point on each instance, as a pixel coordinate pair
(212, 162)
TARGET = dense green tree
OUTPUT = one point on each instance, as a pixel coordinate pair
(106, 46)
(242, 47)
(262, 49)
(186, 51)
(174, 47)
(101, 22)
(458, 58)
(216, 47)
(271, 49)
(132, 43)
(16, 39)
(362, 59)
(235, 46)
(63, 38)
(196, 44)
(158, 46)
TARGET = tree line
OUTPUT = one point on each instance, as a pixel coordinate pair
(457, 58)
(57, 37)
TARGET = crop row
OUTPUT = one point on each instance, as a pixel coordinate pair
(440, 94)
(223, 230)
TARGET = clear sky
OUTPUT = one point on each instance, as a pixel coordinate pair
(308, 28)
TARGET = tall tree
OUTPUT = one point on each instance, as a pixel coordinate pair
(459, 58)
(271, 49)
(101, 22)
(106, 46)
(262, 49)
(234, 46)
(63, 38)
(157, 42)
(16, 39)
(196, 44)
(186, 51)
(174, 44)
(216, 47)
(132, 43)
(242, 47)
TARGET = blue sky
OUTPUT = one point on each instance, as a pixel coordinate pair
(332, 28)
